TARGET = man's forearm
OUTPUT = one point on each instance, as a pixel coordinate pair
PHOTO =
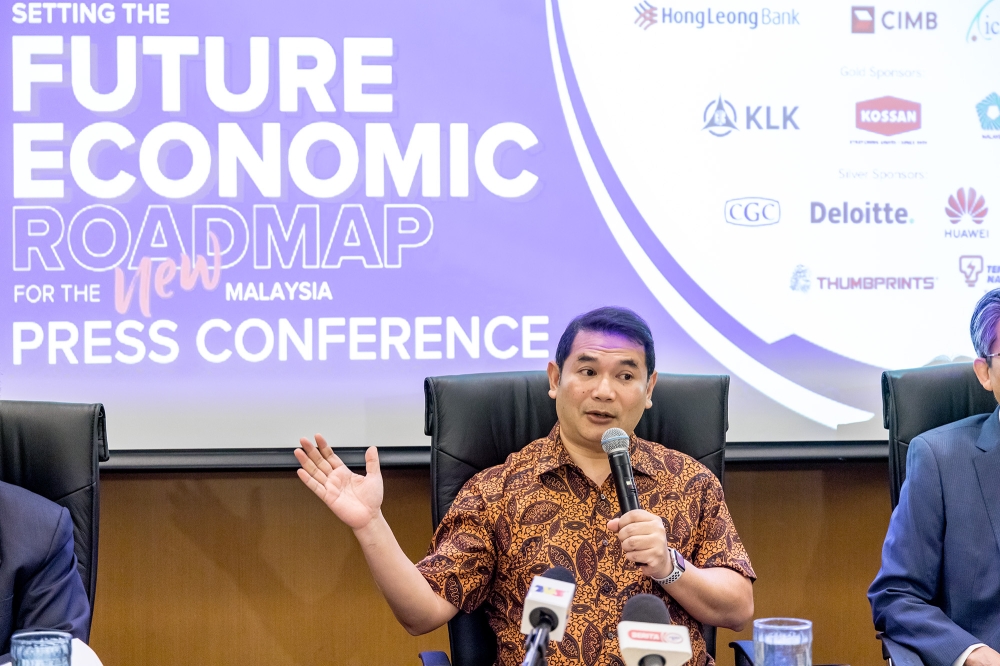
(417, 607)
(714, 595)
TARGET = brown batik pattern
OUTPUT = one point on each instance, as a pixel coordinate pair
(537, 510)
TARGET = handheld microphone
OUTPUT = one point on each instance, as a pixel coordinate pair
(646, 637)
(615, 443)
(546, 608)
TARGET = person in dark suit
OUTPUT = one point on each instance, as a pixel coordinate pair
(938, 591)
(40, 586)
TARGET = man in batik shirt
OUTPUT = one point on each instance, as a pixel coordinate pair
(553, 504)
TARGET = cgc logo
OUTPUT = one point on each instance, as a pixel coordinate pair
(753, 212)
(887, 116)
(863, 20)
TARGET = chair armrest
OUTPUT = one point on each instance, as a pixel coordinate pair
(900, 656)
(436, 658)
(743, 651)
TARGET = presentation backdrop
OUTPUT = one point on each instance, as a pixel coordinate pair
(235, 223)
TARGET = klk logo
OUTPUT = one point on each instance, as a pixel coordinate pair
(720, 118)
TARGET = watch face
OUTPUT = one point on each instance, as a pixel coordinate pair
(679, 559)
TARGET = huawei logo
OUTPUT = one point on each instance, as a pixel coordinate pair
(966, 204)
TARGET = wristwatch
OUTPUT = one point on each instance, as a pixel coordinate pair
(679, 566)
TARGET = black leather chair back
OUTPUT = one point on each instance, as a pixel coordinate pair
(476, 421)
(53, 450)
(918, 400)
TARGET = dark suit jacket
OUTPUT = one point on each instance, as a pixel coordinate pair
(938, 591)
(40, 587)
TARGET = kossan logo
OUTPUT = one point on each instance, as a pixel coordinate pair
(887, 116)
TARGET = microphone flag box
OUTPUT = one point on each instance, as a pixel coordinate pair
(641, 639)
(552, 595)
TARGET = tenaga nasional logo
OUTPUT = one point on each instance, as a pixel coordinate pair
(887, 116)
(647, 15)
(971, 266)
(985, 24)
(720, 118)
(753, 212)
(864, 20)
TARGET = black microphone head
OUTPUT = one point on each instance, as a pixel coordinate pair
(614, 440)
(646, 608)
(560, 573)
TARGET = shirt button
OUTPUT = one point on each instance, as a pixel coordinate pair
(603, 497)
(609, 634)
(604, 543)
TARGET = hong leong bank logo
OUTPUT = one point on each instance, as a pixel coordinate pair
(753, 212)
(647, 15)
(887, 116)
(720, 118)
(864, 20)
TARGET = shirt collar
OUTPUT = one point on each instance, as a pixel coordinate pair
(553, 454)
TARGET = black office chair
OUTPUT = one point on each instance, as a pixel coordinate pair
(476, 421)
(53, 450)
(913, 402)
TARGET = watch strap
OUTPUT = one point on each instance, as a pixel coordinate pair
(674, 574)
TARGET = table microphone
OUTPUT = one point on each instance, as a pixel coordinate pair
(615, 442)
(646, 637)
(545, 611)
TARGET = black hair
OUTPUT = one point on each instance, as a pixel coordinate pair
(615, 320)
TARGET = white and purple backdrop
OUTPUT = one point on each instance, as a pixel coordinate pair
(235, 223)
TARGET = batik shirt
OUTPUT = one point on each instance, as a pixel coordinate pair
(538, 510)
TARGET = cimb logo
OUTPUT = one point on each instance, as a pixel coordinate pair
(887, 116)
(863, 20)
(753, 212)
(720, 117)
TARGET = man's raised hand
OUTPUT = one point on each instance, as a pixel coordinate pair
(355, 499)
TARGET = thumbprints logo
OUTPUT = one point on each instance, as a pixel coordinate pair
(801, 279)
(971, 265)
(966, 205)
(989, 112)
(646, 15)
(719, 118)
(863, 19)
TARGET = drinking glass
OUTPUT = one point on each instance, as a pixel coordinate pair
(782, 641)
(41, 648)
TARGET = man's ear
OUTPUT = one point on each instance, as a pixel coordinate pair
(649, 389)
(982, 368)
(553, 372)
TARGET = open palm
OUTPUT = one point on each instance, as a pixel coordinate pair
(355, 499)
